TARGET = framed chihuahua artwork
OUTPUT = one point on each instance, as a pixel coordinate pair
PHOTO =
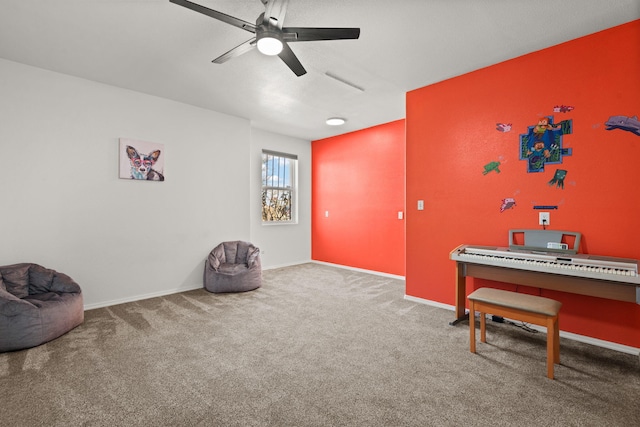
(141, 160)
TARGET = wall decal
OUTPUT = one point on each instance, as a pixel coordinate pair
(542, 144)
(552, 205)
(630, 124)
(490, 167)
(507, 203)
(562, 108)
(141, 160)
(503, 127)
(558, 178)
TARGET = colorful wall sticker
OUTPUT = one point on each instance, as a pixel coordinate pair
(507, 203)
(542, 144)
(503, 127)
(558, 178)
(630, 124)
(490, 167)
(562, 108)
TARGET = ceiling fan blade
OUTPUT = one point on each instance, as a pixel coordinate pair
(236, 51)
(291, 60)
(301, 34)
(247, 26)
(274, 12)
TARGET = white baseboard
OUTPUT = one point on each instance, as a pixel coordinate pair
(291, 264)
(429, 302)
(362, 270)
(593, 341)
(569, 335)
(142, 297)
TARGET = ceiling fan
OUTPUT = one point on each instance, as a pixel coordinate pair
(271, 38)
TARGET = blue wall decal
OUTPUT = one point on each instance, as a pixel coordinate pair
(542, 144)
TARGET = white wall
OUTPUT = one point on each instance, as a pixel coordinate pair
(281, 244)
(63, 206)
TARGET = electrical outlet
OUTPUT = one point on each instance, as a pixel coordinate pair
(543, 218)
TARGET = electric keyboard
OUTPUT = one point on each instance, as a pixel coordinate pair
(579, 265)
(592, 275)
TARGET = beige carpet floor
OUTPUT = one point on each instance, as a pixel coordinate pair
(315, 346)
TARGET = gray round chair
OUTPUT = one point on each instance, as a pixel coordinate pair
(36, 305)
(233, 267)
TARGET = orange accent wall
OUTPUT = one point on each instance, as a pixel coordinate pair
(451, 134)
(358, 178)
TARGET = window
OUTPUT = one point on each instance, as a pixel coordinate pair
(278, 187)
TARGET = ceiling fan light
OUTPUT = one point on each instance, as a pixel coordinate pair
(269, 45)
(335, 121)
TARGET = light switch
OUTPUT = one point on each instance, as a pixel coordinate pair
(400, 215)
(420, 205)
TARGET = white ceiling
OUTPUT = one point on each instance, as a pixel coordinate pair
(162, 49)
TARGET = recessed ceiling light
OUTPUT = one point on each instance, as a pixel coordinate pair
(336, 121)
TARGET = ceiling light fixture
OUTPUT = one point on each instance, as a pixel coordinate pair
(269, 43)
(335, 121)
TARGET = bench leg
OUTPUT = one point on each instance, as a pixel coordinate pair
(472, 327)
(556, 352)
(483, 327)
(553, 344)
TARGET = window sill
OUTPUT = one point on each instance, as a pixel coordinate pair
(272, 223)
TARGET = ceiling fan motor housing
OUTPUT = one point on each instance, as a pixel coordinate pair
(269, 40)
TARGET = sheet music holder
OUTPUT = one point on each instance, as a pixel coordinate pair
(546, 240)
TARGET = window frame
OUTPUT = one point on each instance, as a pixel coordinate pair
(292, 189)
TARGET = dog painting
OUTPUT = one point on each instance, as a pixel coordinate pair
(141, 160)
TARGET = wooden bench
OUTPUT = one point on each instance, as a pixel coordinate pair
(526, 308)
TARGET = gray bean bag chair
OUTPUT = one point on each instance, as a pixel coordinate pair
(36, 305)
(233, 267)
